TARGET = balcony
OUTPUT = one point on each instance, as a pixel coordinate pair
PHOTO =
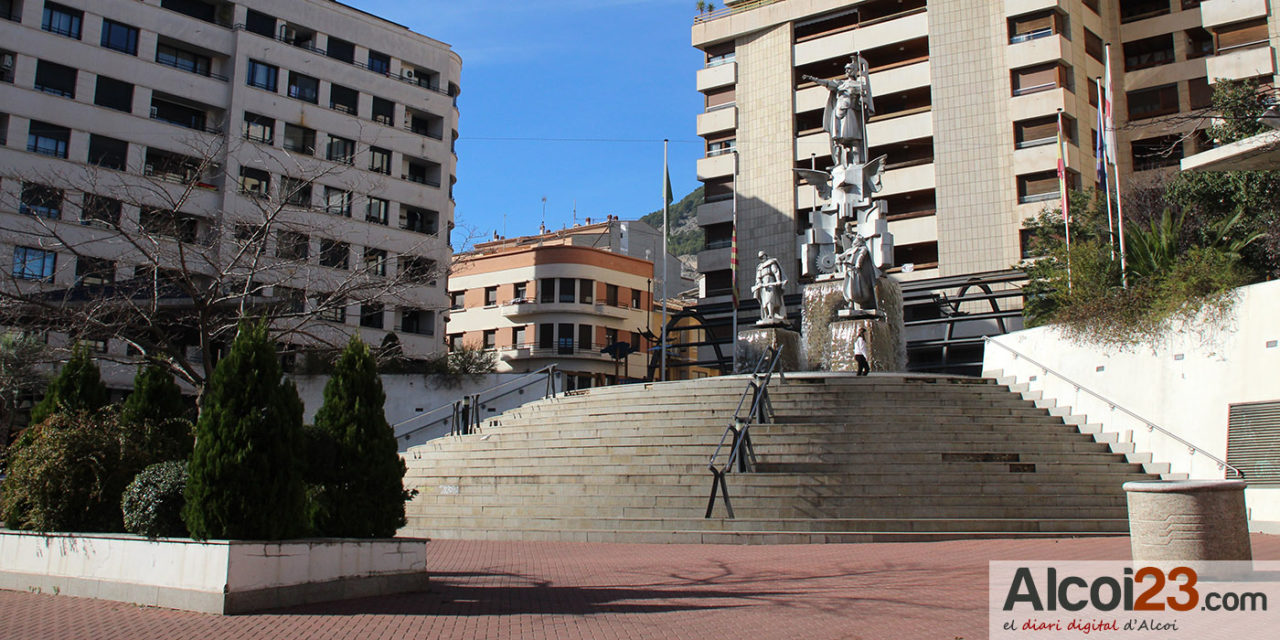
(1241, 63)
(718, 76)
(517, 309)
(1217, 12)
(717, 120)
(715, 212)
(717, 166)
(713, 260)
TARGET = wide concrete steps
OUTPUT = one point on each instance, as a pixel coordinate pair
(849, 459)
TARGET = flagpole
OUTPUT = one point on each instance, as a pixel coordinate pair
(1062, 187)
(733, 260)
(1100, 151)
(666, 231)
(1109, 106)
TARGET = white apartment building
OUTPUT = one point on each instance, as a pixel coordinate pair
(348, 119)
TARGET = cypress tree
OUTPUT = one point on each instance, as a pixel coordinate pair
(364, 495)
(246, 470)
(78, 387)
(155, 417)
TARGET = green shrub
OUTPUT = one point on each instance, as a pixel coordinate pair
(155, 417)
(246, 469)
(152, 503)
(68, 476)
(362, 493)
(78, 387)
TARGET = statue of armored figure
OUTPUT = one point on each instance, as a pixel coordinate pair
(860, 275)
(844, 117)
(768, 290)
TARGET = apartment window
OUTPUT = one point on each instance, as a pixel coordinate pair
(371, 315)
(340, 49)
(490, 296)
(1148, 52)
(100, 211)
(635, 340)
(518, 337)
(94, 271)
(585, 290)
(6, 66)
(55, 79)
(260, 23)
(379, 62)
(171, 167)
(337, 202)
(422, 173)
(376, 210)
(334, 254)
(375, 261)
(250, 235)
(39, 200)
(291, 245)
(341, 150)
(384, 111)
(299, 139)
(456, 299)
(1158, 152)
(171, 224)
(259, 128)
(1038, 187)
(337, 312)
(611, 295)
(380, 160)
(294, 300)
(296, 191)
(546, 336)
(1036, 25)
(1201, 93)
(1041, 77)
(720, 98)
(635, 298)
(304, 87)
(120, 37)
(189, 61)
(61, 20)
(722, 146)
(425, 124)
(1044, 130)
(197, 9)
(48, 139)
(255, 182)
(1242, 35)
(490, 339)
(417, 269)
(114, 94)
(564, 338)
(547, 290)
(176, 113)
(418, 321)
(1199, 43)
(420, 220)
(1142, 9)
(30, 263)
(519, 290)
(566, 289)
(1093, 46)
(343, 99)
(1153, 102)
(610, 337)
(263, 75)
(108, 152)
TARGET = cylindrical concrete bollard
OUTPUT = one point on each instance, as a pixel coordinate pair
(1188, 521)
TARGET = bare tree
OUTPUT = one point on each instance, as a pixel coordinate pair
(170, 261)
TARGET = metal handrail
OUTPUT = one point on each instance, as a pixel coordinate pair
(1151, 426)
(727, 11)
(741, 453)
(458, 425)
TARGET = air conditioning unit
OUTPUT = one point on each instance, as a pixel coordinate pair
(155, 111)
(6, 61)
(149, 170)
(288, 34)
(408, 74)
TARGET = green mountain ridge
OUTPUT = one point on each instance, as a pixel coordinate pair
(685, 237)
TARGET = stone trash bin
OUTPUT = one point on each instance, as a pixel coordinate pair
(1188, 521)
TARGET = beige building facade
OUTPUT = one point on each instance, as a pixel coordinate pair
(966, 95)
(347, 119)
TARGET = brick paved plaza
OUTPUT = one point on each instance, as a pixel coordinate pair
(579, 590)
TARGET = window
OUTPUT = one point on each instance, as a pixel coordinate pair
(1038, 187)
(340, 49)
(490, 296)
(1154, 153)
(420, 220)
(427, 173)
(635, 298)
(344, 99)
(198, 9)
(1036, 25)
(1153, 102)
(337, 202)
(1149, 52)
(39, 200)
(61, 20)
(379, 62)
(189, 61)
(610, 336)
(334, 254)
(518, 337)
(1034, 132)
(260, 23)
(48, 139)
(417, 269)
(249, 235)
(375, 261)
(456, 299)
(291, 245)
(171, 224)
(299, 139)
(425, 124)
(341, 150)
(566, 289)
(259, 128)
(384, 111)
(171, 167)
(1140, 9)
(1093, 46)
(1201, 93)
(30, 263)
(1199, 43)
(546, 336)
(584, 337)
(371, 315)
(120, 37)
(1041, 77)
(490, 339)
(100, 210)
(114, 94)
(585, 290)
(376, 210)
(380, 160)
(263, 75)
(94, 271)
(108, 152)
(55, 79)
(418, 321)
(1241, 35)
(547, 290)
(296, 191)
(255, 182)
(175, 113)
(304, 87)
(294, 300)
(611, 295)
(635, 340)
(334, 311)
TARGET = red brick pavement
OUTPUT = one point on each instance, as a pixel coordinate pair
(605, 591)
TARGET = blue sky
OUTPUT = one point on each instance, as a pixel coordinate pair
(565, 99)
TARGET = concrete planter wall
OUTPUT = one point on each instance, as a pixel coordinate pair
(216, 576)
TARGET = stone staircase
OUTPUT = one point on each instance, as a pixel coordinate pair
(888, 457)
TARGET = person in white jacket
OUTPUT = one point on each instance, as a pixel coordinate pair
(861, 353)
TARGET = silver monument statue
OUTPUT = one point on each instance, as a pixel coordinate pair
(860, 275)
(853, 180)
(768, 290)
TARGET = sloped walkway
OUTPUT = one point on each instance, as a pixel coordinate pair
(612, 591)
